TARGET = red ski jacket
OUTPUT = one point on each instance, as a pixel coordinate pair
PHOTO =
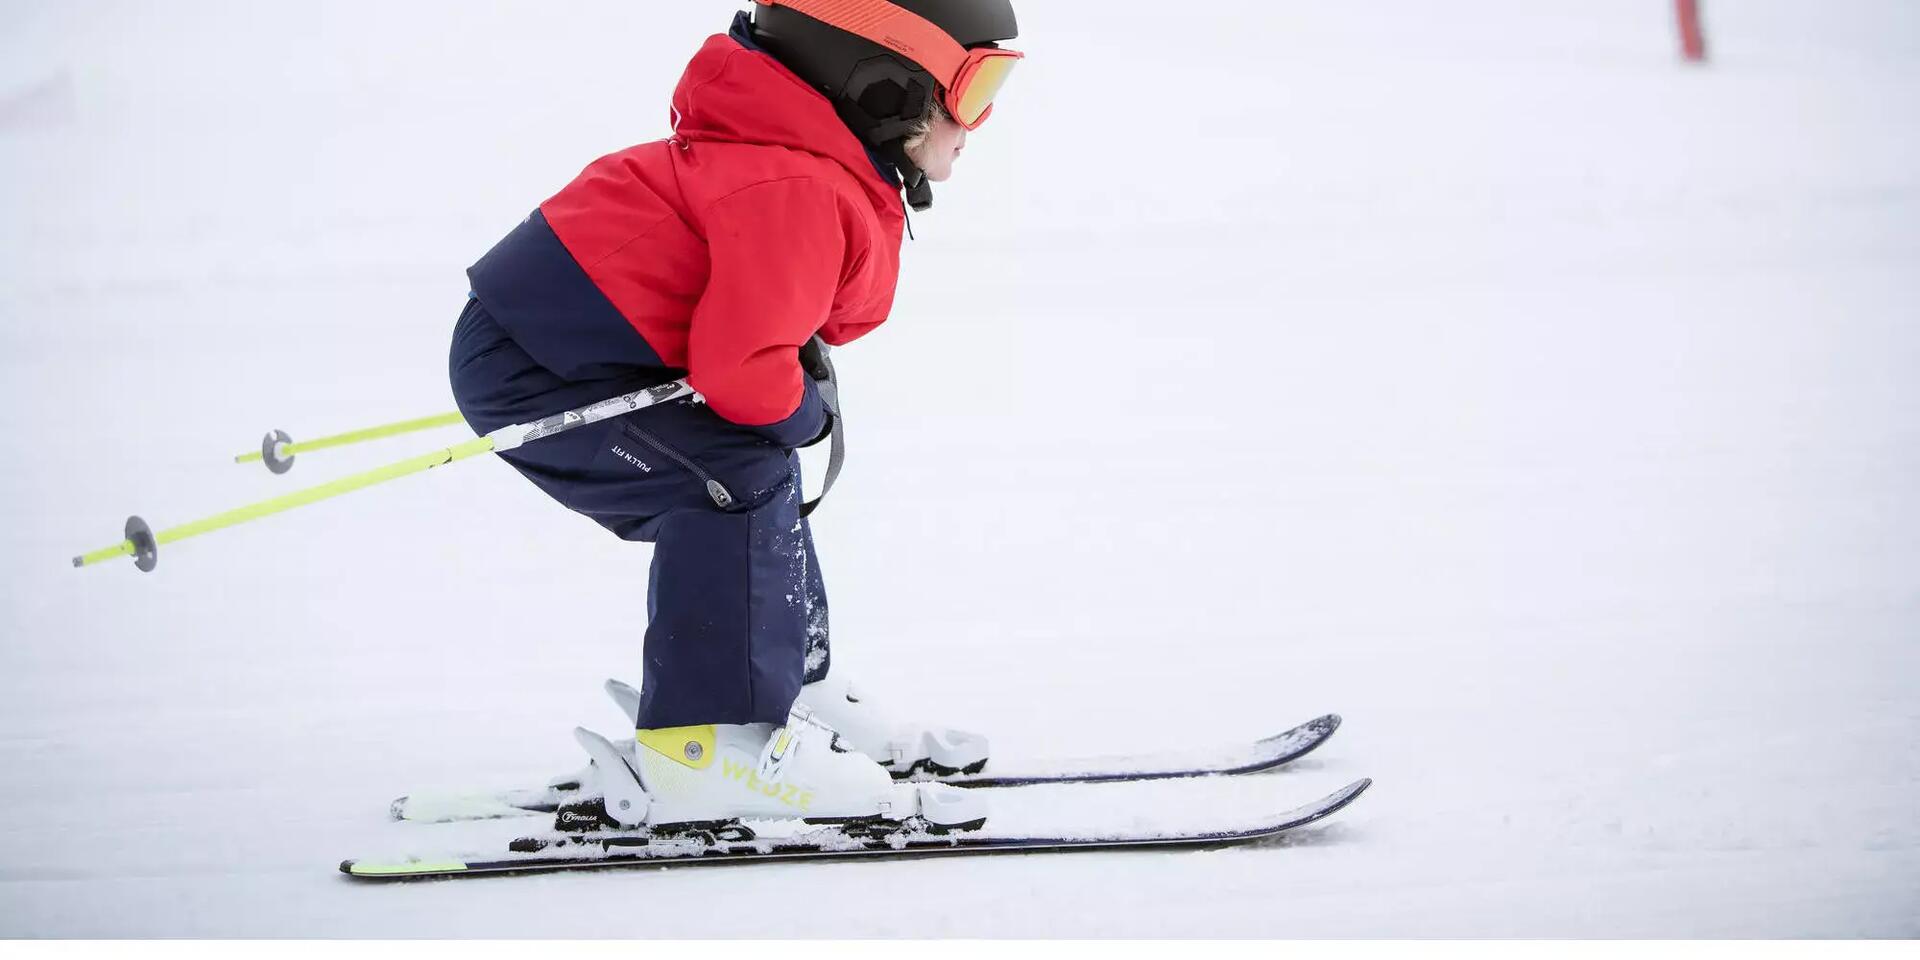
(719, 251)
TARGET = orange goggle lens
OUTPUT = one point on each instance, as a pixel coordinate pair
(980, 85)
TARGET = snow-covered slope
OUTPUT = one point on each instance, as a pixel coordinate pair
(1475, 370)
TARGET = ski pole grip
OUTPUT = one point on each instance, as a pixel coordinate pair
(514, 436)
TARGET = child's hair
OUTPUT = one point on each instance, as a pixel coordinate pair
(934, 113)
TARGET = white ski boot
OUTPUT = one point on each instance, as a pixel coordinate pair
(904, 748)
(724, 772)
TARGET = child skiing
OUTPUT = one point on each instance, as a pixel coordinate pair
(767, 226)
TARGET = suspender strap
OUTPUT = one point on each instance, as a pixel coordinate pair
(818, 365)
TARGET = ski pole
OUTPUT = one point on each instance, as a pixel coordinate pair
(277, 450)
(143, 544)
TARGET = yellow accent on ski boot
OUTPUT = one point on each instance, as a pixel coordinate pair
(689, 746)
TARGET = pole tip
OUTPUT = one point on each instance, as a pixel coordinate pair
(79, 561)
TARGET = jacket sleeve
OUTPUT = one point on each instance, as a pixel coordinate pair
(777, 251)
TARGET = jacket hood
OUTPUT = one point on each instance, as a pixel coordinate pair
(732, 93)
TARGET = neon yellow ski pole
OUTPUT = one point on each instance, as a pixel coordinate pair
(143, 544)
(277, 450)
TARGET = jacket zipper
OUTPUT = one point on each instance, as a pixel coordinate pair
(715, 489)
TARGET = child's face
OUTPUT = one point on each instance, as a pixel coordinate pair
(935, 155)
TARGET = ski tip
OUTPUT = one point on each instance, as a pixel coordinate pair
(1350, 792)
(1321, 727)
(1328, 805)
(1302, 739)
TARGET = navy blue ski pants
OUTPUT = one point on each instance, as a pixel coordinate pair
(736, 611)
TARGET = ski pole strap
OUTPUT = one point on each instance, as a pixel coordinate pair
(814, 359)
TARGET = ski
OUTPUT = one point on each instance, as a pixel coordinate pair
(739, 841)
(1264, 754)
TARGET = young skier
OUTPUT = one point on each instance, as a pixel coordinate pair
(770, 221)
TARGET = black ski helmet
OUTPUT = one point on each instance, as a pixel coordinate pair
(879, 93)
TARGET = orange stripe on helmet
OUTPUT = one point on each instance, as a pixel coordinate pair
(892, 26)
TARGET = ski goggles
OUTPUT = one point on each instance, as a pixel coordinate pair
(971, 79)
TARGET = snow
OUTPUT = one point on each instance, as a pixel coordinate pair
(1475, 370)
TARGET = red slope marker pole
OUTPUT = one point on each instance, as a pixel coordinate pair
(1693, 42)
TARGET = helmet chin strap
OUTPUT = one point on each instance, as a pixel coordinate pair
(919, 192)
(919, 188)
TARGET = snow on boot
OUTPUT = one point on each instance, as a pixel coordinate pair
(722, 772)
(903, 747)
